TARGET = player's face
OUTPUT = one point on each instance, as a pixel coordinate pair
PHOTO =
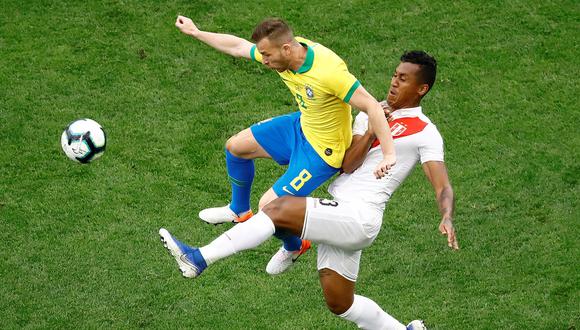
(406, 88)
(274, 56)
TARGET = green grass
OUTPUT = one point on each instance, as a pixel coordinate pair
(79, 245)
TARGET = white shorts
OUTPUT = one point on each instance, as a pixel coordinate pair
(342, 230)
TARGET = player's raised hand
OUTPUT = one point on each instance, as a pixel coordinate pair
(385, 165)
(185, 25)
(446, 228)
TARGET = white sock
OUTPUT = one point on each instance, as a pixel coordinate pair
(368, 315)
(246, 235)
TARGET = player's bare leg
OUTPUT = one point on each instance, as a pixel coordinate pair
(268, 196)
(340, 299)
(338, 291)
(287, 213)
(244, 145)
(241, 150)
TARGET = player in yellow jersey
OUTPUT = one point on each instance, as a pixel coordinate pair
(312, 141)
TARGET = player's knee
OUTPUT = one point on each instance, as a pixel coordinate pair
(240, 145)
(275, 208)
(280, 210)
(337, 306)
(338, 297)
(233, 145)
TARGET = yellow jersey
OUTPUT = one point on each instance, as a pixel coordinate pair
(322, 87)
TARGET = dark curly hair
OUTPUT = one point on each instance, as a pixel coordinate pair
(427, 63)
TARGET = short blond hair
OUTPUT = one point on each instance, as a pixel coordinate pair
(275, 29)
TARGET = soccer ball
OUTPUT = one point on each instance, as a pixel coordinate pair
(83, 140)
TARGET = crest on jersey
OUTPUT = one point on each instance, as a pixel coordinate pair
(309, 92)
(398, 129)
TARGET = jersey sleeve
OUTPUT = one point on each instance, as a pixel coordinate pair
(432, 148)
(255, 54)
(343, 83)
(361, 124)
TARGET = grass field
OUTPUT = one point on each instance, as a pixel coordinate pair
(79, 245)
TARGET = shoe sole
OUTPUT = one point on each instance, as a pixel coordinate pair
(215, 224)
(234, 221)
(176, 253)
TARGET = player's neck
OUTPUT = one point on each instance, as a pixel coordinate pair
(406, 106)
(299, 56)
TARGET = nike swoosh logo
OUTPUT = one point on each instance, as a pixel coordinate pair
(288, 191)
(183, 258)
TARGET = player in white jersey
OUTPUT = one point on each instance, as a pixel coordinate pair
(351, 221)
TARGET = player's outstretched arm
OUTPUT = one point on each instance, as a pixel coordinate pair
(225, 43)
(362, 100)
(436, 172)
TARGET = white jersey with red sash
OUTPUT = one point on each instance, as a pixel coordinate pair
(416, 140)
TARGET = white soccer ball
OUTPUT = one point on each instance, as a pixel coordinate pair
(83, 140)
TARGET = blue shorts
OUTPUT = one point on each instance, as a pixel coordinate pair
(283, 139)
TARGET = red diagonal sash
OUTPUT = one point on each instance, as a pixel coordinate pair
(404, 127)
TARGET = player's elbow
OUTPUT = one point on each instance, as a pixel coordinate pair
(351, 162)
(444, 192)
(348, 168)
(447, 189)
